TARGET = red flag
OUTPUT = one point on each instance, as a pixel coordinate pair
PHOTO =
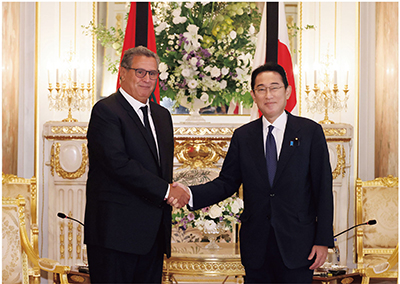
(274, 40)
(140, 31)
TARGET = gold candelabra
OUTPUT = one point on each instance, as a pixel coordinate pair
(68, 94)
(325, 96)
(71, 97)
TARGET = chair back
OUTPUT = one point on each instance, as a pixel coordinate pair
(376, 200)
(14, 259)
(14, 186)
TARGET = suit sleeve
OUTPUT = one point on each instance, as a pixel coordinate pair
(225, 185)
(321, 182)
(109, 154)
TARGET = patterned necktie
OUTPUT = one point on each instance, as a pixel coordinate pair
(148, 128)
(271, 155)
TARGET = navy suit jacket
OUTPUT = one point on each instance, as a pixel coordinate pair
(299, 205)
(126, 186)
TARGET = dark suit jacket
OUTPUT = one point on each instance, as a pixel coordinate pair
(125, 191)
(299, 205)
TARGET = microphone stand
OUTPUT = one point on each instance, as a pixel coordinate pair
(81, 268)
(370, 222)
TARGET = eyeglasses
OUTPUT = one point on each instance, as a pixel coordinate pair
(141, 73)
(263, 90)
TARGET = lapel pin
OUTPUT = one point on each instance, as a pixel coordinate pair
(297, 141)
(291, 143)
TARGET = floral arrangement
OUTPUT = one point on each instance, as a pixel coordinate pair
(226, 213)
(206, 50)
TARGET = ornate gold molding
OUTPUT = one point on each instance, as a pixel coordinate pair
(388, 181)
(341, 162)
(78, 242)
(69, 129)
(56, 166)
(199, 153)
(62, 246)
(199, 131)
(8, 178)
(187, 266)
(70, 237)
(335, 131)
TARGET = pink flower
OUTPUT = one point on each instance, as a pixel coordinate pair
(190, 216)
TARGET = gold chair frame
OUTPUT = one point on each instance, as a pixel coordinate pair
(40, 263)
(392, 253)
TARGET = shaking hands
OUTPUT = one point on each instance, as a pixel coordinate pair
(179, 195)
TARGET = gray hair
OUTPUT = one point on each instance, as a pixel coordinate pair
(126, 61)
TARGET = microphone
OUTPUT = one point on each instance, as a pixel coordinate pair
(63, 216)
(370, 222)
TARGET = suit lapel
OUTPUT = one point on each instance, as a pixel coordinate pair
(288, 145)
(139, 125)
(256, 148)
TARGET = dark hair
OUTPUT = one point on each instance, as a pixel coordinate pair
(269, 66)
(126, 61)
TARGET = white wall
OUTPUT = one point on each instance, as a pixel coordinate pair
(336, 34)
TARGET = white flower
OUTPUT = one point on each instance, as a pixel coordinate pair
(210, 226)
(177, 12)
(177, 19)
(163, 75)
(225, 70)
(232, 34)
(192, 84)
(192, 35)
(185, 72)
(242, 74)
(235, 207)
(222, 84)
(189, 5)
(252, 30)
(215, 211)
(162, 67)
(215, 72)
(193, 61)
(171, 42)
(160, 27)
(204, 97)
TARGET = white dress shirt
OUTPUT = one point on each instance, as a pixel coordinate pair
(278, 131)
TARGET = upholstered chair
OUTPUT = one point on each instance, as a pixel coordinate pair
(18, 251)
(377, 245)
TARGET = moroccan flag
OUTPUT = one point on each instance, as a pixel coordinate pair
(273, 45)
(140, 31)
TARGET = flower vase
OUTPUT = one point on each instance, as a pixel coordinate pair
(194, 109)
(212, 235)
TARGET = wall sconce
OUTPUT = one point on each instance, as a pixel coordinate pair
(326, 96)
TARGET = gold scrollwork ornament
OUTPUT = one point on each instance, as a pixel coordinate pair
(199, 153)
(56, 166)
(341, 161)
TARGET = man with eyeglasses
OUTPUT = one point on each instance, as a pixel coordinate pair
(131, 147)
(283, 163)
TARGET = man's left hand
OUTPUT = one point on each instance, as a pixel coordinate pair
(320, 252)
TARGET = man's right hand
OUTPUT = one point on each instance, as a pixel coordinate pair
(178, 195)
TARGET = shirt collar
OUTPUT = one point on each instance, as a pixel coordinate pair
(132, 101)
(279, 123)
